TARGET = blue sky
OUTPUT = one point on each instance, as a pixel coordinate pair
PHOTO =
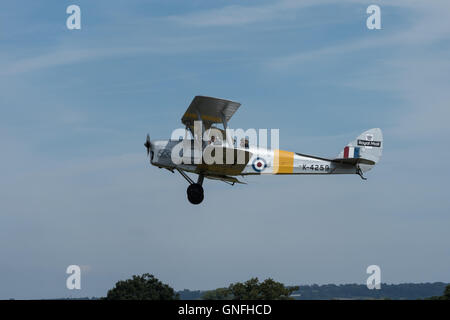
(75, 107)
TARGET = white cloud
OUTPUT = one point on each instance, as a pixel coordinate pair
(420, 78)
(67, 54)
(238, 15)
(431, 26)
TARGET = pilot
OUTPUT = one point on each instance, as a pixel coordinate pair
(212, 140)
(244, 143)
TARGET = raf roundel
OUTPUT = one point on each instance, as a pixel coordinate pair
(259, 164)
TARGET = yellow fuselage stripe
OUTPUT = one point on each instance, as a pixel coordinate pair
(283, 162)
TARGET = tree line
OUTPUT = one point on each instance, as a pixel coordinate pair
(148, 287)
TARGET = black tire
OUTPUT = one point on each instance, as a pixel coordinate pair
(195, 193)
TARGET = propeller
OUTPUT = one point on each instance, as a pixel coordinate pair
(148, 144)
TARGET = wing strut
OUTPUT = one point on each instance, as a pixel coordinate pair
(184, 175)
(201, 177)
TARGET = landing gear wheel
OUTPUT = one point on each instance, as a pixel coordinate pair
(195, 193)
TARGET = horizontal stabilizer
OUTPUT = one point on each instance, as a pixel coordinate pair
(354, 161)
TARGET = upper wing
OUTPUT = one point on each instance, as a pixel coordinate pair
(209, 110)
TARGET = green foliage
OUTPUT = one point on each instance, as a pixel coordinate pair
(272, 290)
(252, 290)
(145, 287)
(218, 294)
(358, 291)
(187, 294)
(445, 296)
(403, 291)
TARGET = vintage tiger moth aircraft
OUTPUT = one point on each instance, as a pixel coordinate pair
(358, 157)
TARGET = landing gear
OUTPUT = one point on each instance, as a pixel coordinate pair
(360, 173)
(195, 193)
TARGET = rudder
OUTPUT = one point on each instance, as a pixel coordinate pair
(367, 147)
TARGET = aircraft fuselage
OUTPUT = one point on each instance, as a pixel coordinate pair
(261, 161)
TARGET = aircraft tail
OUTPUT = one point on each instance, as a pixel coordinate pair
(365, 151)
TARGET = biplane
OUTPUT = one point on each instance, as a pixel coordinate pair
(357, 157)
